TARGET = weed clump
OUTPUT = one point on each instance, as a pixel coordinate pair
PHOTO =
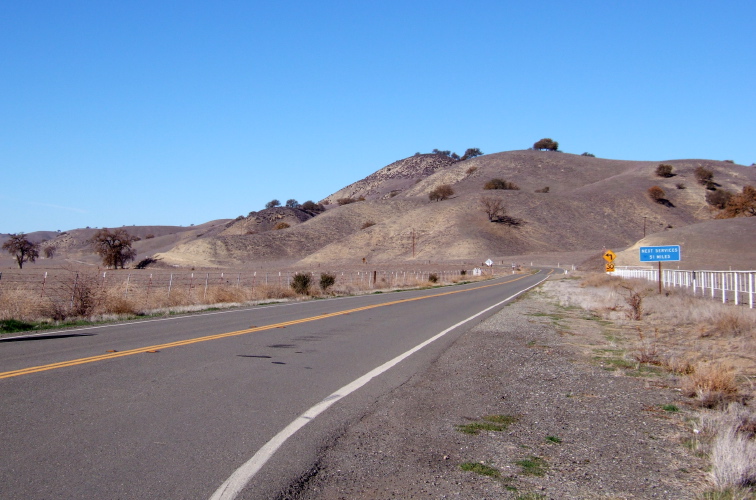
(479, 468)
(326, 281)
(712, 384)
(300, 283)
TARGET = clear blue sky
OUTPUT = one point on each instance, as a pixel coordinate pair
(156, 112)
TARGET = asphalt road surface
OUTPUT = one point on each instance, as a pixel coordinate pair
(174, 407)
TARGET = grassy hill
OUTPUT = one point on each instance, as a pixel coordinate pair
(591, 204)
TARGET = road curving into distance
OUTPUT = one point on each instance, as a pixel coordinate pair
(219, 404)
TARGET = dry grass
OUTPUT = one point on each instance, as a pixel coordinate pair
(727, 437)
(712, 384)
(710, 350)
(88, 299)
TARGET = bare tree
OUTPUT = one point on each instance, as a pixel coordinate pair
(493, 207)
(22, 249)
(114, 247)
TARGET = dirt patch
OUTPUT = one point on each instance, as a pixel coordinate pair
(529, 402)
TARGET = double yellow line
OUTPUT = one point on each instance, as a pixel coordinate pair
(158, 347)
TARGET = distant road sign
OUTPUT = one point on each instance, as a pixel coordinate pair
(609, 256)
(665, 253)
(609, 267)
(489, 263)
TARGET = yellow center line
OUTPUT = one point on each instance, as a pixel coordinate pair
(139, 350)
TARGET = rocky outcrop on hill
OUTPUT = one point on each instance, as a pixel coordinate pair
(266, 220)
(393, 179)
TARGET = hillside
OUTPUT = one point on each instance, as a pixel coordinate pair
(591, 204)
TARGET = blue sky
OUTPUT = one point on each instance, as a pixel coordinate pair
(120, 113)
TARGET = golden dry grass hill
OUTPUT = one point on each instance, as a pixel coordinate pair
(590, 204)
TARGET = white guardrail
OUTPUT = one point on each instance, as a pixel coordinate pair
(737, 286)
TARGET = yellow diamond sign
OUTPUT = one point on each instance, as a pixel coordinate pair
(609, 256)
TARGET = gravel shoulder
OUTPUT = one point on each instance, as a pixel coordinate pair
(579, 427)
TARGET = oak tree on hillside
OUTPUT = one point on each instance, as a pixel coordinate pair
(493, 208)
(21, 249)
(114, 247)
(471, 153)
(273, 204)
(292, 203)
(547, 144)
(741, 204)
(49, 251)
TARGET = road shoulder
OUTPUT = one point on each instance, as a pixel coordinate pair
(553, 420)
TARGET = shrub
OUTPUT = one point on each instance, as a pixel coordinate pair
(713, 385)
(680, 185)
(471, 170)
(547, 144)
(310, 206)
(150, 236)
(500, 184)
(656, 193)
(301, 282)
(703, 175)
(327, 281)
(345, 201)
(367, 224)
(442, 192)
(664, 170)
(718, 198)
(543, 190)
(433, 278)
(589, 155)
(729, 161)
(281, 225)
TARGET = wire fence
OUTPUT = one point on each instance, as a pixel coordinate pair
(735, 286)
(60, 284)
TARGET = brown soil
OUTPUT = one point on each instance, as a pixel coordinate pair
(551, 370)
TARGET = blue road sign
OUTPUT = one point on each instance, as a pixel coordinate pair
(665, 253)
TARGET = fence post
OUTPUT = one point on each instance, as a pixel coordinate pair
(751, 279)
(207, 277)
(126, 292)
(170, 282)
(73, 292)
(735, 288)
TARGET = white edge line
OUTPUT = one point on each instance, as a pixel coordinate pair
(232, 486)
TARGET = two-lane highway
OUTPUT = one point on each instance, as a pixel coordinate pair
(192, 406)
